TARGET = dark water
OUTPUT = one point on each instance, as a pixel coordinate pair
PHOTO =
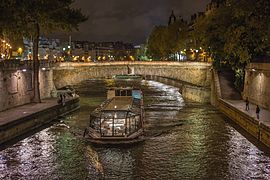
(185, 141)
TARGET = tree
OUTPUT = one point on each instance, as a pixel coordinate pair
(210, 33)
(236, 32)
(248, 36)
(31, 17)
(157, 47)
(165, 41)
(177, 36)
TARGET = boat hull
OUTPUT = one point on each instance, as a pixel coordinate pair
(134, 138)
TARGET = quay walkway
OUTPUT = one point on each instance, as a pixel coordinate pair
(23, 119)
(264, 115)
(11, 115)
(236, 111)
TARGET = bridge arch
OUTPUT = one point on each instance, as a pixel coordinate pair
(196, 76)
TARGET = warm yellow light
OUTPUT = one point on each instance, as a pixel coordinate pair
(20, 50)
(132, 58)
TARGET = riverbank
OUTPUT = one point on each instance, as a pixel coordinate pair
(258, 128)
(235, 110)
(23, 119)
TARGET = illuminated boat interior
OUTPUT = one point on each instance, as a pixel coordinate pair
(119, 117)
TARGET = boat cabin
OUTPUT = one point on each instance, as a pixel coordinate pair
(120, 116)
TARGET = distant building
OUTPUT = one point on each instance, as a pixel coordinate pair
(172, 18)
(214, 4)
(98, 51)
(48, 48)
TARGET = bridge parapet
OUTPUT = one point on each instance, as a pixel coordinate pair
(17, 64)
(195, 73)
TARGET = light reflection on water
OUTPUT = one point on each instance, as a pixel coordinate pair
(185, 141)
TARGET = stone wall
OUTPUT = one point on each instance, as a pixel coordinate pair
(192, 78)
(30, 122)
(189, 92)
(16, 86)
(257, 84)
(257, 129)
(197, 94)
(197, 74)
(194, 73)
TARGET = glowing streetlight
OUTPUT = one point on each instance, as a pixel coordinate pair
(20, 50)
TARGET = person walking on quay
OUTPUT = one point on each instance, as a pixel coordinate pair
(247, 104)
(258, 112)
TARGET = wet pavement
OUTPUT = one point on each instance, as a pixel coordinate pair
(25, 110)
(264, 115)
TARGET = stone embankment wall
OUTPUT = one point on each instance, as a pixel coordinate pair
(38, 119)
(257, 84)
(189, 92)
(254, 127)
(195, 75)
(16, 86)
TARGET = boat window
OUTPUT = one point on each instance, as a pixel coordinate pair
(117, 93)
(123, 93)
(106, 115)
(129, 93)
(120, 114)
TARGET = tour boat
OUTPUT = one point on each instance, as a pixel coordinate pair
(119, 119)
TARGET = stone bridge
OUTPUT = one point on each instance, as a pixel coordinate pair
(194, 78)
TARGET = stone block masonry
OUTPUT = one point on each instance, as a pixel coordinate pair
(196, 74)
(234, 109)
(16, 86)
(257, 84)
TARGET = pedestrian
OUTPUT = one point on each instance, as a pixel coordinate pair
(64, 99)
(247, 104)
(60, 99)
(258, 112)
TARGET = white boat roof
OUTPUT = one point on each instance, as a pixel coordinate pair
(123, 103)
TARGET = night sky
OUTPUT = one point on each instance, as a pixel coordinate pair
(129, 20)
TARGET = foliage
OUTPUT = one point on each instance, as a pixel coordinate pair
(239, 79)
(236, 32)
(157, 47)
(167, 40)
(24, 18)
(19, 17)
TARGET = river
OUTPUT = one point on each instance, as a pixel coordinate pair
(185, 140)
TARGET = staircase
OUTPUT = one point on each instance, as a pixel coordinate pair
(228, 90)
